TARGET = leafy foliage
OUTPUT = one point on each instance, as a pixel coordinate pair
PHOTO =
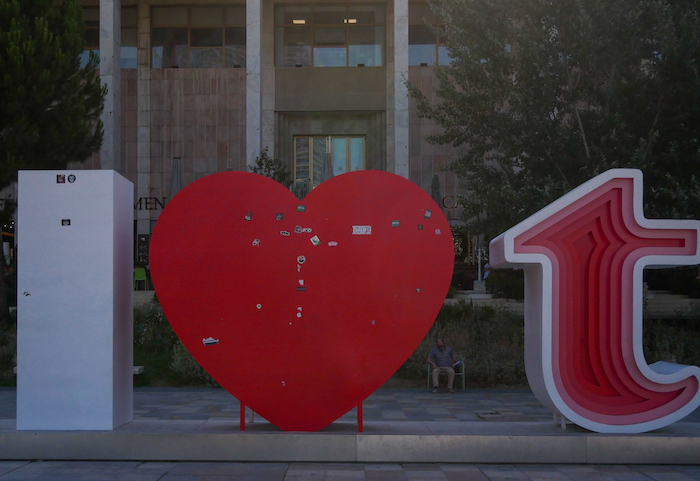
(189, 369)
(489, 338)
(49, 106)
(542, 95)
(8, 354)
(152, 329)
(272, 168)
(506, 284)
(674, 340)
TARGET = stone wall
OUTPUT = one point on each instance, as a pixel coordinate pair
(199, 116)
(129, 97)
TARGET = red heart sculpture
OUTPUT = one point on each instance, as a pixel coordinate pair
(301, 309)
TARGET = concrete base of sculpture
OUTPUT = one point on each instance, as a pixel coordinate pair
(506, 443)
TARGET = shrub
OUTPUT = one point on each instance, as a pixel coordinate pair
(184, 364)
(152, 329)
(8, 354)
(673, 340)
(489, 338)
(506, 284)
(678, 280)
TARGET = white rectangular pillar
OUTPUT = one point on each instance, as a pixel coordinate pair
(75, 302)
(253, 84)
(110, 75)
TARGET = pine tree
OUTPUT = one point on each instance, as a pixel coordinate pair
(49, 106)
(542, 95)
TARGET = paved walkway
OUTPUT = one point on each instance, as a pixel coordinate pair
(154, 471)
(389, 411)
(416, 405)
(479, 411)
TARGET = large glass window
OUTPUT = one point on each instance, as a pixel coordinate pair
(129, 34)
(198, 37)
(91, 17)
(424, 44)
(343, 154)
(329, 36)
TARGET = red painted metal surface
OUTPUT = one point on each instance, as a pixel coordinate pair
(584, 308)
(359, 418)
(301, 309)
(595, 251)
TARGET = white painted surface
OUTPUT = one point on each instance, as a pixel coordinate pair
(75, 320)
(542, 300)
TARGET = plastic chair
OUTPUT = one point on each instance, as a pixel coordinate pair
(140, 275)
(459, 372)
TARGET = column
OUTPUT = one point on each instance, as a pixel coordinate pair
(143, 115)
(253, 82)
(110, 73)
(400, 90)
(267, 119)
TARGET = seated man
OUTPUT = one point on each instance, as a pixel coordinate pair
(442, 360)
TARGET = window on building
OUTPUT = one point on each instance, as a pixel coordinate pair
(424, 44)
(347, 154)
(329, 35)
(91, 17)
(198, 37)
(129, 35)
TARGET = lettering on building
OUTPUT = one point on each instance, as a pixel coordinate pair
(150, 203)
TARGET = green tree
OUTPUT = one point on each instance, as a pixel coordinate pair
(49, 106)
(542, 95)
(272, 168)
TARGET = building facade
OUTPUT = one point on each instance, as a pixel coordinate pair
(205, 86)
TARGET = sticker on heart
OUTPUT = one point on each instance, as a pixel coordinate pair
(301, 308)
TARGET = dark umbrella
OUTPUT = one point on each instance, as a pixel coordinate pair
(436, 191)
(176, 177)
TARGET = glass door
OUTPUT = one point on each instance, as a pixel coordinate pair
(347, 154)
